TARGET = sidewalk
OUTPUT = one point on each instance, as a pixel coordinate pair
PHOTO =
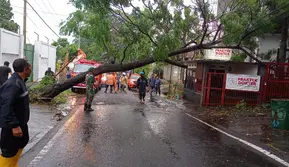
(41, 121)
(251, 124)
(43, 118)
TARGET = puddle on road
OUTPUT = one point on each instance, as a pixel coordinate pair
(140, 110)
(100, 103)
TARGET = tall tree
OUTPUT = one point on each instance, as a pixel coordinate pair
(281, 8)
(62, 47)
(6, 16)
(158, 30)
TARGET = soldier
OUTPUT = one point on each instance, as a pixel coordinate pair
(89, 90)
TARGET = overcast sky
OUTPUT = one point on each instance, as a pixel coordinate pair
(52, 11)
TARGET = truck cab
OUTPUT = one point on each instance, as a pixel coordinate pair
(81, 66)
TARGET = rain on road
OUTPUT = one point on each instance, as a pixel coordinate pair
(123, 132)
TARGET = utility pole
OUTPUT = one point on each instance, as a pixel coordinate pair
(24, 21)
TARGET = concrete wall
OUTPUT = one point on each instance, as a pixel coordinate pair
(269, 42)
(250, 69)
(11, 46)
(44, 57)
(176, 73)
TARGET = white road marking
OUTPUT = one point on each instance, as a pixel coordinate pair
(265, 152)
(49, 145)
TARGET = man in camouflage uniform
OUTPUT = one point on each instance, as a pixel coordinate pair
(89, 90)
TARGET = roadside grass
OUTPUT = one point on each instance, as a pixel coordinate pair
(240, 110)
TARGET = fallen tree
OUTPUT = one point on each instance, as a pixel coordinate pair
(154, 30)
(54, 90)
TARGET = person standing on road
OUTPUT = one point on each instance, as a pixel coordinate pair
(123, 82)
(89, 81)
(115, 83)
(152, 82)
(158, 85)
(4, 72)
(110, 82)
(14, 114)
(118, 81)
(68, 73)
(142, 84)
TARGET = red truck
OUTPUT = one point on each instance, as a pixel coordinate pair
(81, 66)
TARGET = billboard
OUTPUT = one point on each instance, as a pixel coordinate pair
(243, 82)
(218, 54)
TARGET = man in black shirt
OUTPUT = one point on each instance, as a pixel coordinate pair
(49, 72)
(14, 114)
(4, 72)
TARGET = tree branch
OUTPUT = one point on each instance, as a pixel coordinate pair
(135, 8)
(248, 34)
(218, 31)
(175, 63)
(147, 6)
(251, 56)
(191, 42)
(52, 91)
(138, 27)
(204, 35)
(124, 52)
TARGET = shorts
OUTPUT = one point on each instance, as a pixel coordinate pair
(10, 145)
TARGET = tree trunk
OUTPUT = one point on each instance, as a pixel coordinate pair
(54, 90)
(283, 49)
(283, 42)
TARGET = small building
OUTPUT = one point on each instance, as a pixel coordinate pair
(11, 46)
(206, 82)
(44, 57)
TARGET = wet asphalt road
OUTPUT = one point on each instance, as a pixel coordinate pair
(121, 132)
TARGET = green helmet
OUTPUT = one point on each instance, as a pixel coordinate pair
(90, 69)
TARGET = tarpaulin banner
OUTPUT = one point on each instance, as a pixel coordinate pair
(81, 55)
(243, 82)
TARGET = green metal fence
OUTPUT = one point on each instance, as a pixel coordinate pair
(29, 54)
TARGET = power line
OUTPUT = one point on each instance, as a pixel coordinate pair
(39, 6)
(14, 11)
(50, 12)
(33, 22)
(46, 6)
(51, 6)
(43, 11)
(43, 19)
